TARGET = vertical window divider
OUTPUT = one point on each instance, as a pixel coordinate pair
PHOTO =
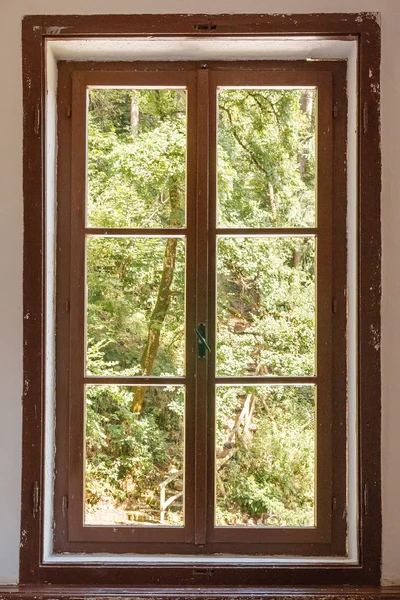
(212, 295)
(202, 303)
(190, 321)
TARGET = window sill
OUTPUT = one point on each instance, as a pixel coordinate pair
(53, 592)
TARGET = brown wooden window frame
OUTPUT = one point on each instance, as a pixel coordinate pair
(199, 536)
(329, 537)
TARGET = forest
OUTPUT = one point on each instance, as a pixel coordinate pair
(135, 312)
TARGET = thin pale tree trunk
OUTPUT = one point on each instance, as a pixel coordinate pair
(134, 113)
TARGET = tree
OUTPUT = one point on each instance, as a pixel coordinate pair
(265, 304)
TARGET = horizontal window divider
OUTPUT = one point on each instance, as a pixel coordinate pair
(267, 231)
(140, 380)
(271, 380)
(135, 232)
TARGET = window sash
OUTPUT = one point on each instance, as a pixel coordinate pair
(199, 534)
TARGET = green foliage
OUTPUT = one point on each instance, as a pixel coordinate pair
(270, 477)
(266, 159)
(128, 455)
(123, 276)
(271, 302)
(265, 305)
(131, 172)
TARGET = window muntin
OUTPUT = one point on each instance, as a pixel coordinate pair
(200, 513)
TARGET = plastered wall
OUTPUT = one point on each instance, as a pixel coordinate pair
(11, 231)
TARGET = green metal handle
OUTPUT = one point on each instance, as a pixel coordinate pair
(202, 345)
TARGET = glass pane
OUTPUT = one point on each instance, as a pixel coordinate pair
(266, 158)
(136, 158)
(135, 306)
(134, 456)
(265, 456)
(266, 306)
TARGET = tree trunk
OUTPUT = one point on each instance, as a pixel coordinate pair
(306, 102)
(296, 258)
(134, 113)
(272, 200)
(162, 303)
(306, 106)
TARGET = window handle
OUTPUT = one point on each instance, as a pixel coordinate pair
(201, 340)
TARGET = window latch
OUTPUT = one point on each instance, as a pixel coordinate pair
(202, 345)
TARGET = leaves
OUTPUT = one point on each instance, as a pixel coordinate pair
(265, 306)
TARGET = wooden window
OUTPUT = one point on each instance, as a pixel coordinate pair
(222, 252)
(205, 214)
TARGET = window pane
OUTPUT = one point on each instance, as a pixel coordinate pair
(266, 306)
(135, 306)
(266, 158)
(265, 456)
(136, 158)
(134, 455)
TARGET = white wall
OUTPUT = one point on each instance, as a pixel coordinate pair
(11, 12)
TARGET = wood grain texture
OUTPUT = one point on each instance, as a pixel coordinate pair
(55, 592)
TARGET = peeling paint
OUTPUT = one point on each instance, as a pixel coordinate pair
(375, 88)
(368, 16)
(375, 338)
(26, 317)
(55, 30)
(24, 538)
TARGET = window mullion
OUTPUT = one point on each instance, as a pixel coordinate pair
(202, 302)
(212, 296)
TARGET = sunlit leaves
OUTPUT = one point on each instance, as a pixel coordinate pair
(265, 303)
(130, 174)
(266, 162)
(266, 476)
(266, 306)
